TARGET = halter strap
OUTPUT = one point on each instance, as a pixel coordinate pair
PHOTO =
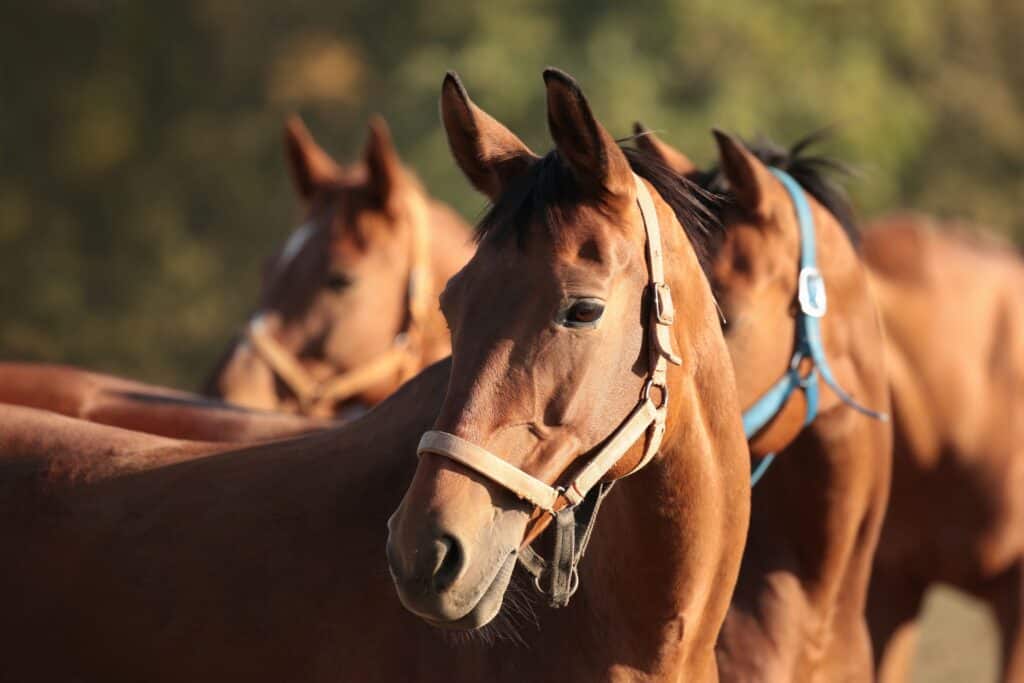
(648, 417)
(318, 397)
(813, 305)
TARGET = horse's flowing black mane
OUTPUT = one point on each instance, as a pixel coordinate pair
(815, 173)
(547, 192)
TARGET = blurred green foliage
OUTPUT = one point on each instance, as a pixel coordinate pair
(143, 182)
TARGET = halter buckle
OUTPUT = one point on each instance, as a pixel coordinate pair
(664, 308)
(811, 292)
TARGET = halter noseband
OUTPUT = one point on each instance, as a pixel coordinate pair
(813, 305)
(401, 360)
(574, 505)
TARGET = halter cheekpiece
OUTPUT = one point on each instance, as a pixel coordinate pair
(813, 302)
(574, 505)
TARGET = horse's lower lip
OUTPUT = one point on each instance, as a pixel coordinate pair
(471, 619)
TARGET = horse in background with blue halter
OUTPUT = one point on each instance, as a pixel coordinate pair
(815, 395)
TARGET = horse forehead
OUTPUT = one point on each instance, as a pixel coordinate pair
(296, 242)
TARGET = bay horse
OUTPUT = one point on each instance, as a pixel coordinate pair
(571, 365)
(954, 313)
(118, 402)
(348, 309)
(798, 610)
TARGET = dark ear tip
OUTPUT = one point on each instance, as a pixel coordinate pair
(639, 128)
(452, 81)
(553, 75)
(723, 138)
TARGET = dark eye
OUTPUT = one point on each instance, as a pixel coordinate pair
(583, 313)
(336, 282)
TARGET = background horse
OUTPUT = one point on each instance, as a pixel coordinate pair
(142, 407)
(955, 318)
(557, 322)
(798, 612)
(348, 309)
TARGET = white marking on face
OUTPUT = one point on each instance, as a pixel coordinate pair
(295, 243)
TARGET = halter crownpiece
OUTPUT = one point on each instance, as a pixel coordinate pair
(583, 494)
(318, 397)
(813, 304)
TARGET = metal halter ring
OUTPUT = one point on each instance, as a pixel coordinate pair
(574, 582)
(645, 393)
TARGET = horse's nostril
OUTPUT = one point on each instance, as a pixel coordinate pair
(450, 560)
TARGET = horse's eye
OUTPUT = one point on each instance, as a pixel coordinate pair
(583, 313)
(336, 282)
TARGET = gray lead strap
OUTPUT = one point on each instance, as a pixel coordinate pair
(574, 527)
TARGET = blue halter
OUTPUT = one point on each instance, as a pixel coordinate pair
(813, 304)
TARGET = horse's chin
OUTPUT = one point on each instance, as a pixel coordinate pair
(489, 604)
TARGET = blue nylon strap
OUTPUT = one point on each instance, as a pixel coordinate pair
(813, 304)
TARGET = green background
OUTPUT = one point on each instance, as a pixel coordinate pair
(142, 181)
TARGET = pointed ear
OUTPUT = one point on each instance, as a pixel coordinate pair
(750, 180)
(487, 152)
(311, 166)
(384, 168)
(591, 152)
(649, 143)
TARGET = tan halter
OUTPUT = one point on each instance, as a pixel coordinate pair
(401, 361)
(648, 417)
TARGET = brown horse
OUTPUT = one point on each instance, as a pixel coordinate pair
(142, 407)
(798, 611)
(955, 317)
(348, 309)
(564, 363)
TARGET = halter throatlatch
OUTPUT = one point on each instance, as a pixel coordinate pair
(813, 305)
(574, 505)
(399, 362)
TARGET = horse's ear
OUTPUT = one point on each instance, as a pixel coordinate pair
(749, 179)
(311, 167)
(487, 152)
(591, 152)
(649, 143)
(384, 168)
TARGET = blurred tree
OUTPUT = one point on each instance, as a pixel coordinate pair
(143, 182)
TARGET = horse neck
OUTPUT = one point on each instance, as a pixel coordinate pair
(451, 246)
(662, 567)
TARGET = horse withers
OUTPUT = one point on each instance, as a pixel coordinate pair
(118, 402)
(803, 332)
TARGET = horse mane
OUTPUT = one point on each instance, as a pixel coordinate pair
(546, 191)
(815, 173)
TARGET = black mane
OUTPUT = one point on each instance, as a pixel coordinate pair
(548, 190)
(815, 173)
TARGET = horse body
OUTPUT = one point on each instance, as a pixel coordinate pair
(143, 558)
(955, 319)
(109, 400)
(798, 610)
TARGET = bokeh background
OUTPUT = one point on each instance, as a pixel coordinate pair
(142, 180)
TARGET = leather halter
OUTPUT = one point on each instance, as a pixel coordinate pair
(399, 362)
(579, 496)
(813, 305)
